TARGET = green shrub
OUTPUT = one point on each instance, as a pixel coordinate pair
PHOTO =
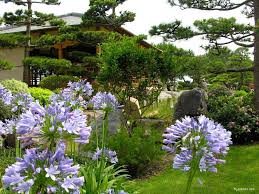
(236, 114)
(6, 65)
(15, 86)
(57, 81)
(184, 85)
(5, 111)
(218, 90)
(41, 94)
(101, 177)
(240, 93)
(138, 151)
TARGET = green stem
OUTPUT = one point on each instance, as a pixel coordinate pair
(96, 130)
(193, 170)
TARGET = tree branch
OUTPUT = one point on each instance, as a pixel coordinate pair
(231, 7)
(245, 69)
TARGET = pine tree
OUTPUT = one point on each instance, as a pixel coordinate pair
(219, 32)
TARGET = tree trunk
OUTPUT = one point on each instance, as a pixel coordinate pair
(256, 55)
(26, 69)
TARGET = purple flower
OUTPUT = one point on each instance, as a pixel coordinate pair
(201, 139)
(74, 96)
(108, 154)
(21, 102)
(104, 101)
(7, 127)
(5, 95)
(52, 171)
(45, 123)
(72, 183)
(60, 171)
(81, 88)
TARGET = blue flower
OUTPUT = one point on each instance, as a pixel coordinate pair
(5, 95)
(7, 127)
(108, 154)
(20, 176)
(201, 139)
(21, 102)
(82, 88)
(104, 101)
(53, 121)
(52, 171)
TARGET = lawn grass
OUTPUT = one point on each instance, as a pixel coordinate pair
(240, 174)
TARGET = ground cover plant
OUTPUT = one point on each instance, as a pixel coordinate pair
(229, 179)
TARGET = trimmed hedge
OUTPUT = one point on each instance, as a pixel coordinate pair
(54, 82)
(15, 86)
(41, 94)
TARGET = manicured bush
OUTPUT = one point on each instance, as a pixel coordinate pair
(236, 113)
(138, 151)
(57, 81)
(41, 94)
(15, 86)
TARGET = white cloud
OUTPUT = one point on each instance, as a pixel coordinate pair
(148, 13)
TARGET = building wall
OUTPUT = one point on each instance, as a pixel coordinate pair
(14, 55)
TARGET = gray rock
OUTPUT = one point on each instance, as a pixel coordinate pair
(114, 120)
(190, 103)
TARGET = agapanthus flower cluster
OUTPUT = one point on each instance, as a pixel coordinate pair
(21, 102)
(7, 127)
(75, 95)
(5, 95)
(53, 123)
(80, 88)
(199, 140)
(43, 172)
(109, 155)
(104, 101)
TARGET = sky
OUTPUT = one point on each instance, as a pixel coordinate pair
(148, 13)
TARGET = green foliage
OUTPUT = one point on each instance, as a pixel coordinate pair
(104, 12)
(5, 111)
(172, 31)
(41, 94)
(130, 70)
(215, 90)
(97, 182)
(212, 29)
(15, 86)
(6, 65)
(88, 37)
(57, 81)
(138, 151)
(12, 40)
(78, 55)
(173, 61)
(236, 113)
(222, 60)
(57, 66)
(19, 17)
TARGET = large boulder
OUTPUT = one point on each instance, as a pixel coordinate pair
(190, 103)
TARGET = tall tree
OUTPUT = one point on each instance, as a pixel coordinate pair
(21, 17)
(221, 31)
(105, 12)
